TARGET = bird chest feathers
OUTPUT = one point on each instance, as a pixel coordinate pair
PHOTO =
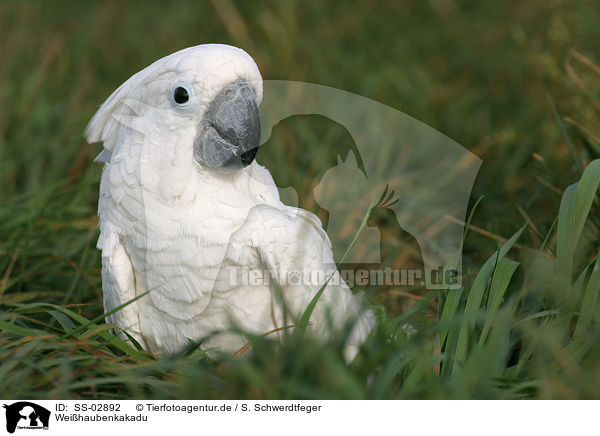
(191, 227)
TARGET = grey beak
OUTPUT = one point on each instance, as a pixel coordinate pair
(229, 134)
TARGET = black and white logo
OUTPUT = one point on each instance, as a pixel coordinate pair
(26, 415)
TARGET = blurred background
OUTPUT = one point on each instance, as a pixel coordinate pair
(505, 79)
(481, 73)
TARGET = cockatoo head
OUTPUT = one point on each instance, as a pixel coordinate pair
(198, 105)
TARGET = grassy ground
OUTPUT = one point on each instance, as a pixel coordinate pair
(512, 81)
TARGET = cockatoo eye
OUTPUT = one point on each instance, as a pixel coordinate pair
(181, 95)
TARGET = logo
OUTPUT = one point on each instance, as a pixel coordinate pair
(413, 182)
(26, 415)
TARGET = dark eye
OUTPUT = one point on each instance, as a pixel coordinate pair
(181, 95)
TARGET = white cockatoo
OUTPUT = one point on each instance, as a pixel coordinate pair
(188, 215)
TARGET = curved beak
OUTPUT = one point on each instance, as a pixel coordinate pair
(229, 134)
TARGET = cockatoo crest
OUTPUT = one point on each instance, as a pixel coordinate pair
(146, 93)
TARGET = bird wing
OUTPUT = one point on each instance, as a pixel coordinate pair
(292, 246)
(118, 286)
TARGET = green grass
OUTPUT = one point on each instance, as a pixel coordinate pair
(501, 78)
